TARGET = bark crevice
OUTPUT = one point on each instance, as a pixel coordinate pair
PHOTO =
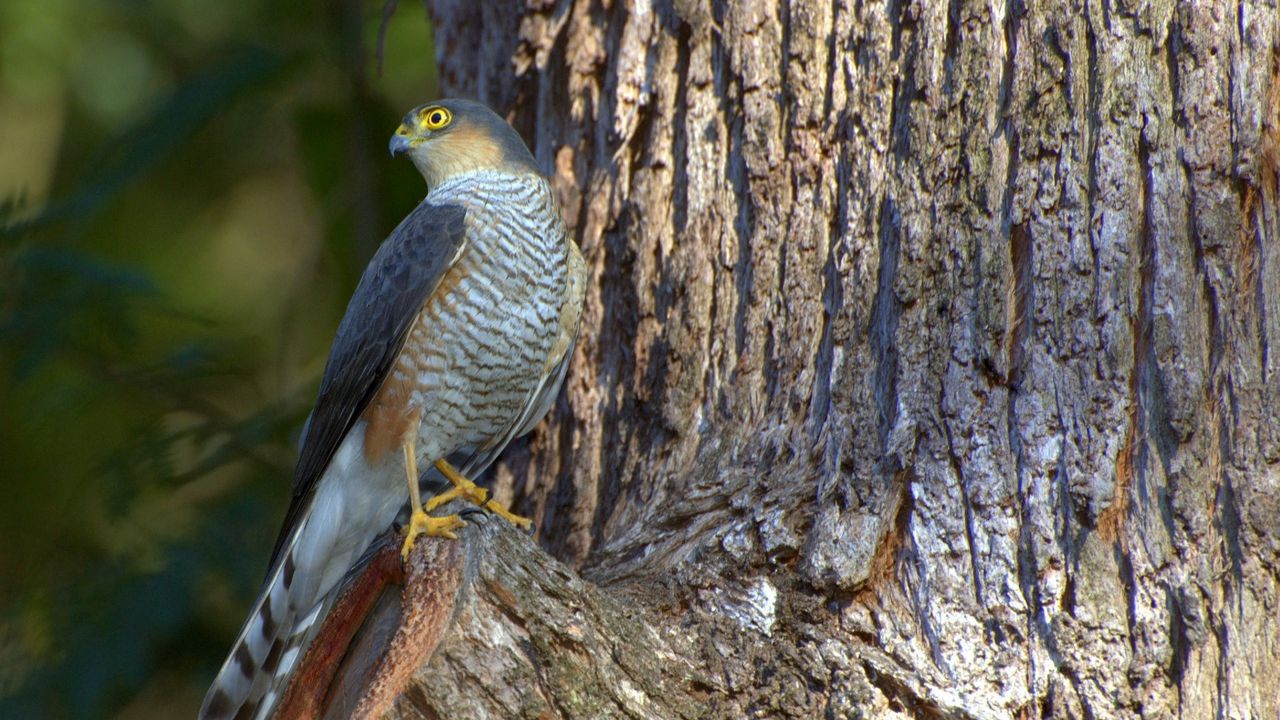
(934, 338)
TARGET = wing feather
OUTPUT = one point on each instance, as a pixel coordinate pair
(403, 273)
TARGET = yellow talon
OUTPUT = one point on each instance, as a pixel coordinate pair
(421, 523)
(519, 521)
(467, 490)
(471, 492)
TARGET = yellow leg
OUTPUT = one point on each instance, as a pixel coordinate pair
(467, 490)
(419, 521)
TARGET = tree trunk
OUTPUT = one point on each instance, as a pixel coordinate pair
(930, 366)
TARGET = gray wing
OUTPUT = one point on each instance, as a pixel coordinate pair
(403, 273)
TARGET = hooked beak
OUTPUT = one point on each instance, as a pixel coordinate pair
(400, 142)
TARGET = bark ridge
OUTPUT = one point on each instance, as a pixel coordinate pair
(928, 368)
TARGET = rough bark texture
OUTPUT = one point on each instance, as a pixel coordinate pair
(931, 365)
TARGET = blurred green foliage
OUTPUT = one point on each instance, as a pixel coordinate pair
(188, 193)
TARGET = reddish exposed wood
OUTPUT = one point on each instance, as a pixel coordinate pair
(434, 576)
(384, 625)
(305, 695)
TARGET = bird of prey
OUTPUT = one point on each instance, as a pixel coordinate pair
(455, 342)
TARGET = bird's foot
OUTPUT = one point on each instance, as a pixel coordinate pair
(464, 489)
(476, 495)
(479, 497)
(519, 521)
(421, 523)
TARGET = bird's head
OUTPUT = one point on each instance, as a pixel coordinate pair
(447, 138)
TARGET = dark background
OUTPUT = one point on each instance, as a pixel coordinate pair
(190, 190)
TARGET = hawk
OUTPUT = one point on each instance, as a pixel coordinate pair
(455, 342)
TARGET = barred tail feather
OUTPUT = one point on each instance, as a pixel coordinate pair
(352, 504)
(265, 652)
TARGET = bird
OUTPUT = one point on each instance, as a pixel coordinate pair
(455, 342)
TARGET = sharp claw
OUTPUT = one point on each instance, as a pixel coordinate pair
(517, 520)
(476, 495)
(421, 523)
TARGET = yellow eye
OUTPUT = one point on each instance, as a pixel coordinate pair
(436, 118)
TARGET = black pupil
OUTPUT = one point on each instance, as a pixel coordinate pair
(437, 118)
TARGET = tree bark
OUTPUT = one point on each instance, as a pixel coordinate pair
(930, 366)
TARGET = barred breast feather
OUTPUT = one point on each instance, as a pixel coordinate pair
(502, 309)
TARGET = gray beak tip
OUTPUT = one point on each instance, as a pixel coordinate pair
(399, 145)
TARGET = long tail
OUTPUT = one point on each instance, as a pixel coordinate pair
(350, 506)
(257, 671)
